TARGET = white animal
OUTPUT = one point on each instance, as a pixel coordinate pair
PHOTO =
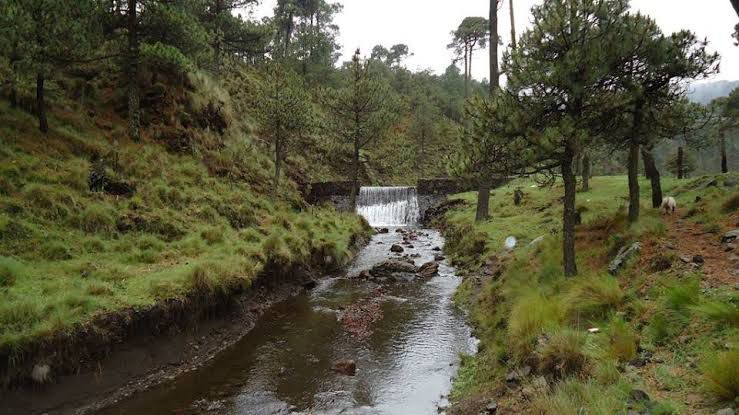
(669, 205)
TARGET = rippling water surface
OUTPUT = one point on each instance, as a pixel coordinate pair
(283, 366)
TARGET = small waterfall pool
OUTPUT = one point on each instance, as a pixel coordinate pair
(389, 206)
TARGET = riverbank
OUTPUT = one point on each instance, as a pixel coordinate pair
(105, 240)
(659, 337)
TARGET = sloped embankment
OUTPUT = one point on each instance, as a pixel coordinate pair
(104, 240)
(658, 337)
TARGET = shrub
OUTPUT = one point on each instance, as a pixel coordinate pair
(563, 354)
(622, 340)
(55, 251)
(10, 270)
(721, 375)
(594, 297)
(97, 218)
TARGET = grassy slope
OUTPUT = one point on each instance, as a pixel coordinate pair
(533, 316)
(64, 259)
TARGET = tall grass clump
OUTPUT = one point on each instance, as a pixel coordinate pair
(574, 397)
(721, 375)
(594, 297)
(722, 313)
(97, 218)
(10, 271)
(531, 316)
(563, 354)
(622, 340)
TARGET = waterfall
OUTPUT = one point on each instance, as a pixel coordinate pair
(388, 206)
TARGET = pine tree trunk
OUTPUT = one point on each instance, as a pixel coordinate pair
(724, 159)
(633, 168)
(494, 72)
(585, 172)
(13, 96)
(650, 167)
(134, 104)
(43, 123)
(278, 162)
(355, 177)
(513, 28)
(483, 202)
(569, 214)
(466, 74)
(680, 161)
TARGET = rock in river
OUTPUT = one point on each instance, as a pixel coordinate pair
(429, 269)
(393, 268)
(345, 366)
(396, 248)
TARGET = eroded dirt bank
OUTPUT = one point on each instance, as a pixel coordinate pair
(120, 354)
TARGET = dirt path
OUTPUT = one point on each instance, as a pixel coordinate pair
(691, 239)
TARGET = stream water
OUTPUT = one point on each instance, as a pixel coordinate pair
(284, 366)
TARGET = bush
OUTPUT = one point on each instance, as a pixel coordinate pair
(563, 354)
(10, 270)
(622, 340)
(97, 219)
(721, 375)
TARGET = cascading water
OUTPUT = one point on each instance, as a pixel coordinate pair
(389, 206)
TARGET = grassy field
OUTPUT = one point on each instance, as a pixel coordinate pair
(667, 328)
(204, 220)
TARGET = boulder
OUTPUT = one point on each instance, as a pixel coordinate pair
(439, 257)
(537, 241)
(393, 268)
(624, 254)
(396, 248)
(726, 411)
(345, 366)
(383, 230)
(730, 236)
(429, 269)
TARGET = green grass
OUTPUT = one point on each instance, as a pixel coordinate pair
(71, 254)
(533, 316)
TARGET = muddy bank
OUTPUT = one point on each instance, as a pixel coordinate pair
(122, 353)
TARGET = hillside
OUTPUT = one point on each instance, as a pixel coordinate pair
(92, 223)
(662, 328)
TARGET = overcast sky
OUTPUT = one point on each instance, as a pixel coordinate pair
(425, 26)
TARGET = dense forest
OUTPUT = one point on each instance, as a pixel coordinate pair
(157, 158)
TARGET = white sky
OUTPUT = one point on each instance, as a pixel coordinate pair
(425, 26)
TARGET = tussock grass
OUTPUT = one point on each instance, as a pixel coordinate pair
(10, 271)
(574, 397)
(721, 375)
(564, 354)
(86, 253)
(531, 316)
(622, 340)
(593, 297)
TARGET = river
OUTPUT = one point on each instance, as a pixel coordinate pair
(405, 360)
